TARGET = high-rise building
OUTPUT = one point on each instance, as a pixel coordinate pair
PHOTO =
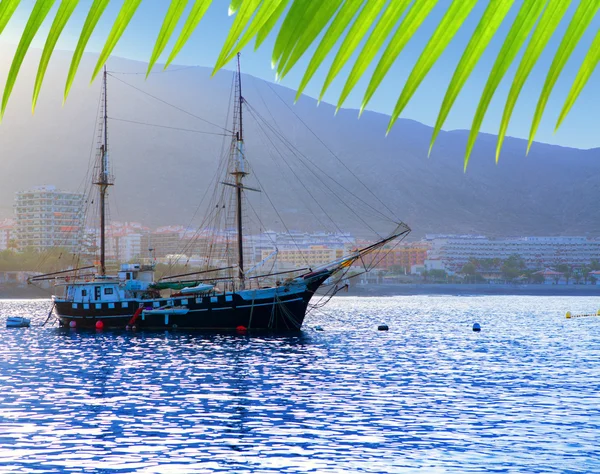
(49, 218)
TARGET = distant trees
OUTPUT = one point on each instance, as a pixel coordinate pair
(513, 267)
(469, 270)
(566, 270)
(397, 269)
(438, 275)
(537, 278)
(30, 259)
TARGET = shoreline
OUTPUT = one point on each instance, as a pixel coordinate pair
(478, 289)
(398, 289)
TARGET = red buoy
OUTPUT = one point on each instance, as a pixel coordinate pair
(72, 324)
(241, 328)
(99, 324)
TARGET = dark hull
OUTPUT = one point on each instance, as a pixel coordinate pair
(281, 312)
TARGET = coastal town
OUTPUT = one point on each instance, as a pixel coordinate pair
(52, 221)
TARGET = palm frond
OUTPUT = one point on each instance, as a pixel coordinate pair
(305, 23)
(123, 18)
(262, 34)
(517, 35)
(410, 24)
(586, 10)
(493, 16)
(196, 14)
(373, 32)
(166, 30)
(89, 25)
(336, 28)
(60, 20)
(450, 24)
(267, 12)
(553, 14)
(357, 31)
(379, 34)
(37, 17)
(587, 68)
(7, 8)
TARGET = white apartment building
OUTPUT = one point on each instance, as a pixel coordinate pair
(537, 252)
(48, 218)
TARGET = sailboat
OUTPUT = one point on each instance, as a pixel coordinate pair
(202, 300)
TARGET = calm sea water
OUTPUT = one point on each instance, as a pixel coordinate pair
(428, 396)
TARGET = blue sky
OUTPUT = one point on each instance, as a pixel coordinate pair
(579, 130)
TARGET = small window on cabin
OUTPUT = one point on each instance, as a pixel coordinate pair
(83, 292)
(108, 291)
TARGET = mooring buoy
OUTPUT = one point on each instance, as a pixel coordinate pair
(382, 327)
(476, 327)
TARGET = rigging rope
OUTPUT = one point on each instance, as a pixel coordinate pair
(299, 154)
(171, 105)
(330, 151)
(168, 127)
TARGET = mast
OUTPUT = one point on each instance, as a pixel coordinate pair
(103, 179)
(239, 173)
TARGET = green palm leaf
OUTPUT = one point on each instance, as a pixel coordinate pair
(298, 24)
(166, 30)
(381, 31)
(267, 11)
(89, 25)
(308, 23)
(365, 19)
(196, 14)
(242, 19)
(553, 14)
(587, 68)
(586, 10)
(486, 29)
(7, 8)
(37, 17)
(337, 27)
(127, 10)
(452, 21)
(411, 23)
(520, 29)
(234, 6)
(60, 20)
(270, 23)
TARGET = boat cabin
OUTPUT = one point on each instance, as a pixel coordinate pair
(132, 281)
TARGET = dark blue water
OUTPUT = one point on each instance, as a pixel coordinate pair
(429, 396)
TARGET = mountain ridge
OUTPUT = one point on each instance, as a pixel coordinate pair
(162, 174)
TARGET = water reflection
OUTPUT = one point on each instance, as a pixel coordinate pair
(429, 395)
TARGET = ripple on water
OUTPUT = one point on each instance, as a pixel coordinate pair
(430, 395)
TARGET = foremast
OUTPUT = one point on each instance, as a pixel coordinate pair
(239, 169)
(104, 179)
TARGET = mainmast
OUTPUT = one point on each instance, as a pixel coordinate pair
(103, 179)
(239, 172)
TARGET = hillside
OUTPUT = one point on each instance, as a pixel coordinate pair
(161, 174)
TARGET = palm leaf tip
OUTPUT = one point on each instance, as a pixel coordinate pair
(196, 14)
(585, 12)
(124, 17)
(166, 30)
(36, 18)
